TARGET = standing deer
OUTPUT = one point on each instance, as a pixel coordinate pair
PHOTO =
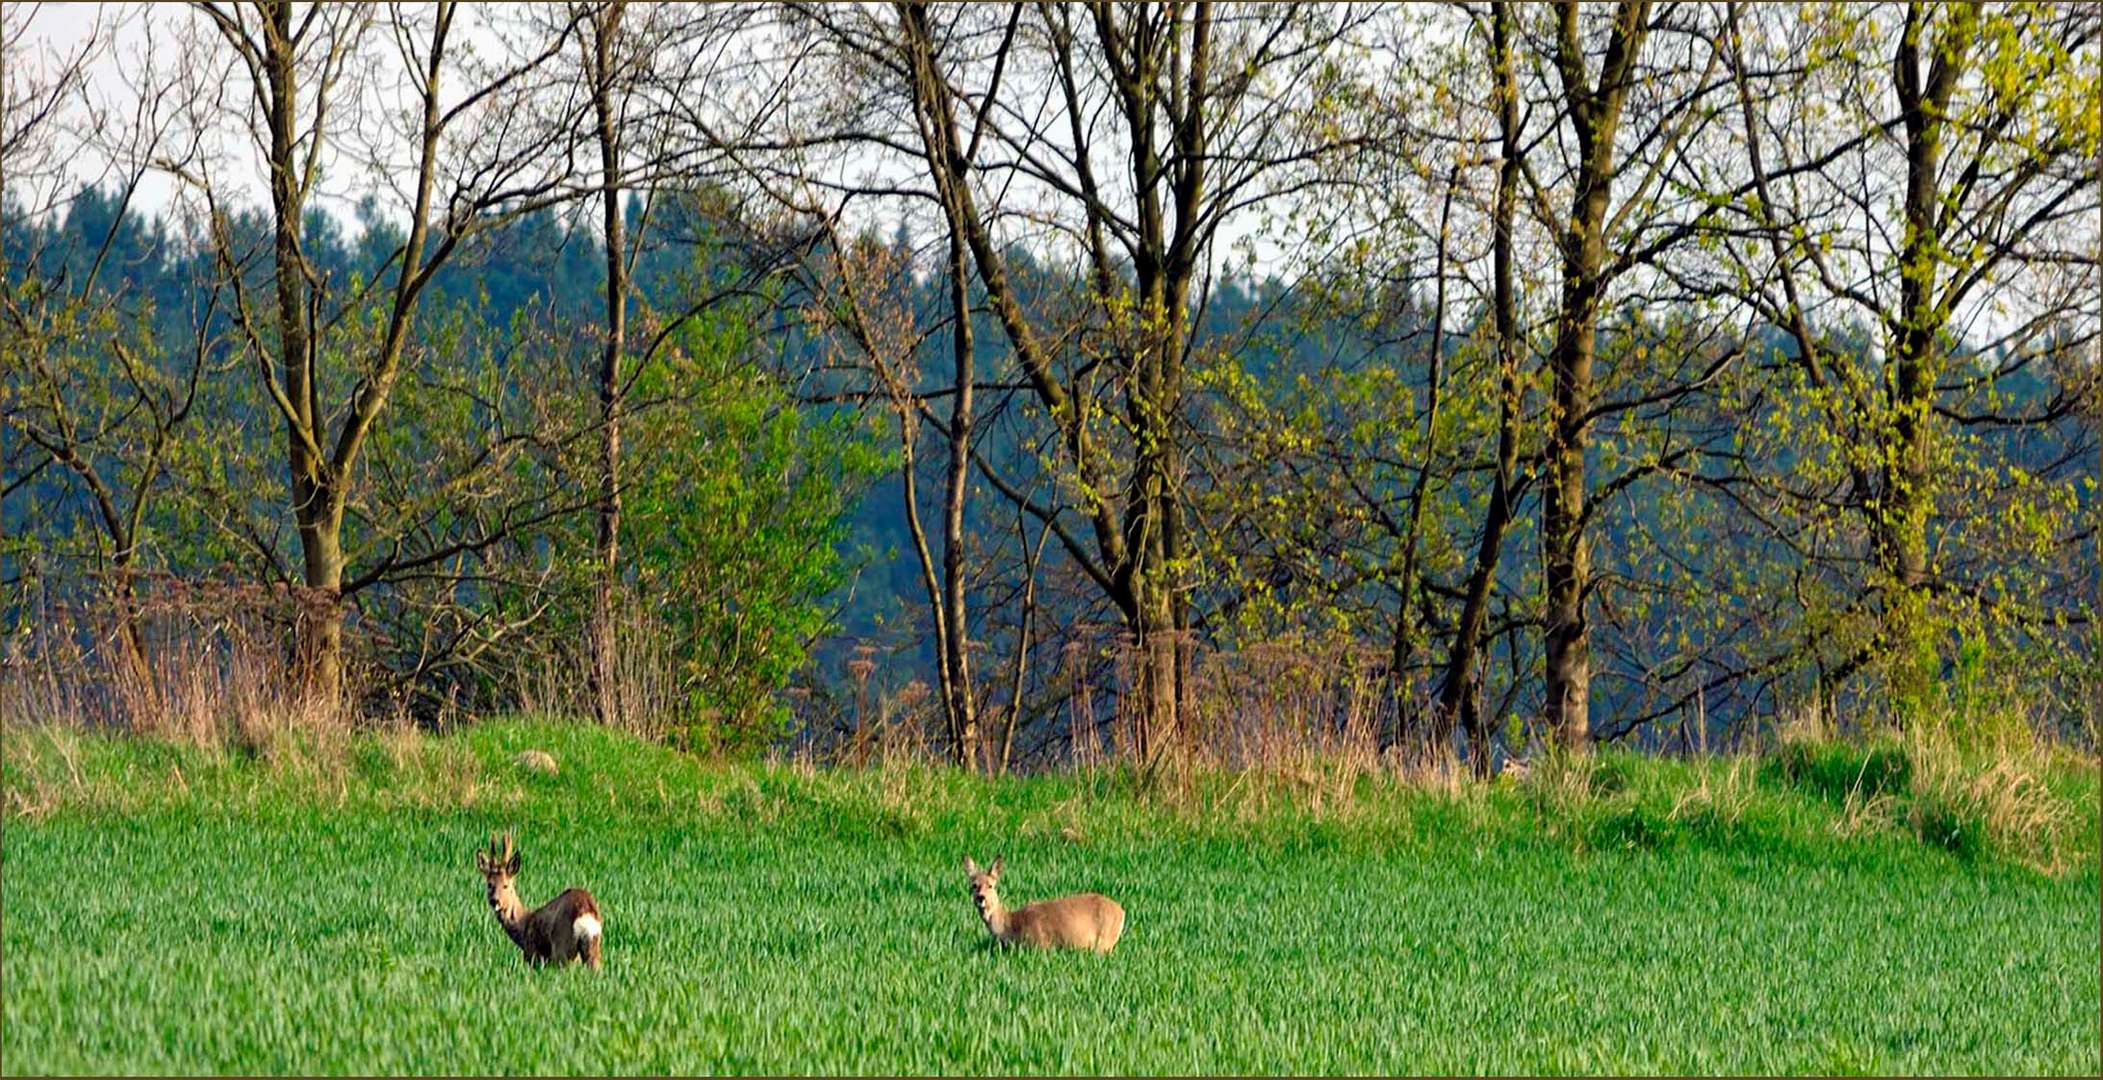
(1081, 921)
(559, 931)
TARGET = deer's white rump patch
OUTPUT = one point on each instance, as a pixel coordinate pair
(586, 926)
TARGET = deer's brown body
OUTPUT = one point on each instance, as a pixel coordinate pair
(1081, 921)
(563, 929)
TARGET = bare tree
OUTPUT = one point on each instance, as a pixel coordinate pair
(641, 68)
(1146, 128)
(469, 159)
(937, 132)
(601, 46)
(1460, 692)
(87, 382)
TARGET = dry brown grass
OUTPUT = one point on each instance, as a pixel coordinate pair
(648, 690)
(32, 791)
(220, 671)
(1563, 785)
(1299, 723)
(1805, 722)
(1306, 723)
(222, 683)
(1995, 797)
(1862, 813)
(1724, 801)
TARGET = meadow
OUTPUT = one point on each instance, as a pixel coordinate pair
(292, 909)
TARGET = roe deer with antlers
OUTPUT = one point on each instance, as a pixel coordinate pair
(557, 932)
(1081, 921)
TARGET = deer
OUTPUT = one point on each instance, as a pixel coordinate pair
(1082, 921)
(557, 932)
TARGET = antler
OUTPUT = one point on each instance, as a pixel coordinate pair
(498, 857)
(498, 854)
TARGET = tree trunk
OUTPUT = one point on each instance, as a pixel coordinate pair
(321, 608)
(1155, 642)
(1031, 557)
(960, 698)
(133, 639)
(933, 109)
(1915, 343)
(1565, 558)
(1155, 527)
(1460, 695)
(605, 698)
(316, 505)
(1594, 113)
(1403, 652)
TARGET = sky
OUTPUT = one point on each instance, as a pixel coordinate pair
(136, 38)
(41, 35)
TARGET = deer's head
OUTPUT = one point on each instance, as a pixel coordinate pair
(499, 865)
(984, 880)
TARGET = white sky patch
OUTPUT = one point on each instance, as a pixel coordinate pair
(1399, 53)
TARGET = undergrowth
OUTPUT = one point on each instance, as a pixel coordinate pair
(1807, 799)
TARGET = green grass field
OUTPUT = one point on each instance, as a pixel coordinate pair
(180, 910)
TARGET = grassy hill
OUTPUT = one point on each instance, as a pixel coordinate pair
(295, 907)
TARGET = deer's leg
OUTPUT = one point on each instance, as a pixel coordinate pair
(590, 949)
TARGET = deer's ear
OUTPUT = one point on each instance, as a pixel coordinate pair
(512, 866)
(999, 861)
(482, 861)
(970, 866)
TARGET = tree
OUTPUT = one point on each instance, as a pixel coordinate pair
(87, 382)
(1191, 99)
(302, 84)
(1460, 692)
(937, 132)
(1915, 253)
(601, 45)
(1593, 110)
